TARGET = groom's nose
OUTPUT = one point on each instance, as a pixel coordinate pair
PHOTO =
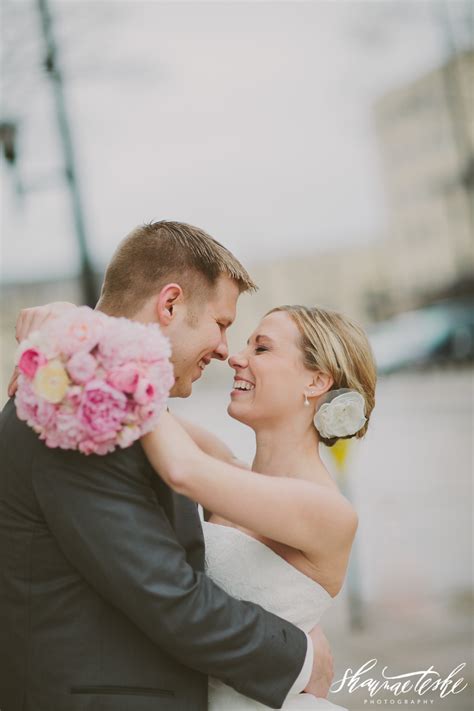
(222, 350)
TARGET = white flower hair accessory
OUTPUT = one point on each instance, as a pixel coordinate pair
(342, 414)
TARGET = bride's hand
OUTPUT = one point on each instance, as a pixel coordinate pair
(323, 665)
(33, 318)
(30, 320)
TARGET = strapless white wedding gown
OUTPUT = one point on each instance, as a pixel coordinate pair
(249, 570)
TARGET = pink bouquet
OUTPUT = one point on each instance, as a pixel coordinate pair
(91, 382)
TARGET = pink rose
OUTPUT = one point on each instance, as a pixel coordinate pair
(102, 410)
(145, 391)
(30, 361)
(124, 378)
(81, 367)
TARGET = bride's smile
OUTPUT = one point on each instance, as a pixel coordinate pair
(271, 378)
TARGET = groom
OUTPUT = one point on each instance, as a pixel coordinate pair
(104, 600)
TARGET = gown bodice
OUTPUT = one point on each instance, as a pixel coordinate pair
(247, 569)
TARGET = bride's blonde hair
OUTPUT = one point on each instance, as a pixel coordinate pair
(337, 345)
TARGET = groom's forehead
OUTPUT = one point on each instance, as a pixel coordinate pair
(224, 299)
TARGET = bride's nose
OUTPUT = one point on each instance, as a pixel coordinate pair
(238, 361)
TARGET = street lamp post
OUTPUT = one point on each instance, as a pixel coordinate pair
(52, 67)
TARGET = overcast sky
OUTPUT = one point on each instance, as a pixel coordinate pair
(252, 120)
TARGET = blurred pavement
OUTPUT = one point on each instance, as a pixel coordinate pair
(411, 484)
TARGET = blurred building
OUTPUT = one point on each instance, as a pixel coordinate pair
(343, 279)
(426, 138)
(425, 134)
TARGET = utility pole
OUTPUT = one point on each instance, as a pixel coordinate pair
(54, 72)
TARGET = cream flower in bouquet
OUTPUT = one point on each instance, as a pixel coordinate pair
(93, 382)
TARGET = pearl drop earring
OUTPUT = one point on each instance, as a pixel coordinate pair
(306, 401)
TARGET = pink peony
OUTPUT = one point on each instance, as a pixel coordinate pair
(77, 330)
(148, 346)
(70, 428)
(26, 401)
(102, 410)
(132, 415)
(73, 398)
(81, 366)
(161, 375)
(124, 378)
(90, 446)
(30, 361)
(45, 413)
(151, 421)
(145, 392)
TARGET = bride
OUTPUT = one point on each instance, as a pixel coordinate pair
(281, 534)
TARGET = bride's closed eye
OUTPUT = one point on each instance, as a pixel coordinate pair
(260, 349)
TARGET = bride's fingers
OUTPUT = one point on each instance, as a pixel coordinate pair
(31, 320)
(23, 324)
(29, 324)
(19, 325)
(13, 384)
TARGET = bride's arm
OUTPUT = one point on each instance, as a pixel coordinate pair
(32, 318)
(209, 443)
(316, 517)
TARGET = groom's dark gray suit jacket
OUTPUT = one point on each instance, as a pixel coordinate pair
(104, 602)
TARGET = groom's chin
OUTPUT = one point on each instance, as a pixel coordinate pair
(181, 388)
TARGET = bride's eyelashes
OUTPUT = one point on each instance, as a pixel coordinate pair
(260, 349)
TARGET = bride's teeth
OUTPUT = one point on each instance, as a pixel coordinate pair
(243, 385)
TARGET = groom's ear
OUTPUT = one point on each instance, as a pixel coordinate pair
(169, 296)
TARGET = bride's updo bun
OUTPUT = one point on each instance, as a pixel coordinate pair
(335, 344)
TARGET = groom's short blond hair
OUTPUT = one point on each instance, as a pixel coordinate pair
(157, 253)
